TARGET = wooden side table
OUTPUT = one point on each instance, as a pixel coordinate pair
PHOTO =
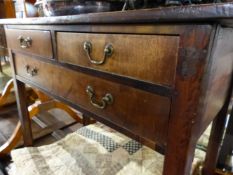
(131, 92)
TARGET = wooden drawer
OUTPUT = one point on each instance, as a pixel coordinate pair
(152, 58)
(131, 108)
(32, 41)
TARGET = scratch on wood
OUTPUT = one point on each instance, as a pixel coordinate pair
(190, 57)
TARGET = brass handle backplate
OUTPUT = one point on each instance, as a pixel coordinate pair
(25, 42)
(31, 71)
(108, 51)
(106, 100)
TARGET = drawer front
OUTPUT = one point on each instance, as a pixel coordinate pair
(32, 41)
(151, 58)
(124, 106)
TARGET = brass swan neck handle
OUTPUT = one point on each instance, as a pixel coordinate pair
(106, 100)
(108, 51)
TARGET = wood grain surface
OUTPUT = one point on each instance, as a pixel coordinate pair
(41, 41)
(150, 58)
(218, 12)
(141, 108)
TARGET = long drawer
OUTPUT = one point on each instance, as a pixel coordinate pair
(142, 113)
(32, 41)
(151, 58)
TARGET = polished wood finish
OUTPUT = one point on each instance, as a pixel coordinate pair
(216, 137)
(185, 116)
(215, 142)
(20, 93)
(3, 47)
(41, 41)
(169, 113)
(128, 51)
(206, 12)
(219, 75)
(134, 116)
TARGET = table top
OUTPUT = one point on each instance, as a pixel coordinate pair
(219, 12)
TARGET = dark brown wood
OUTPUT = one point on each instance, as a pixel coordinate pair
(203, 12)
(139, 102)
(86, 120)
(54, 43)
(184, 109)
(139, 29)
(214, 143)
(21, 98)
(149, 143)
(216, 136)
(41, 41)
(217, 80)
(139, 84)
(128, 51)
(20, 93)
(3, 47)
(173, 116)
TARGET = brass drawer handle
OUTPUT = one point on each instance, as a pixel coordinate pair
(31, 71)
(25, 42)
(108, 51)
(106, 100)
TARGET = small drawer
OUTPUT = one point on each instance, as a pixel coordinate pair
(32, 41)
(151, 58)
(142, 113)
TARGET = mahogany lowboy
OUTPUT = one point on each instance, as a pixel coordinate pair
(160, 76)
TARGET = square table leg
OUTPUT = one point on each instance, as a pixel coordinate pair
(20, 92)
